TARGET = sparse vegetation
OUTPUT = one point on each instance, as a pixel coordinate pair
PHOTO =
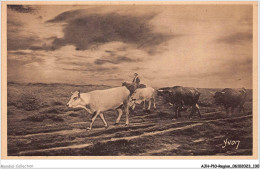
(53, 110)
(41, 117)
(73, 114)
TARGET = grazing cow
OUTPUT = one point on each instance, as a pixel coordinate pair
(142, 95)
(131, 87)
(98, 101)
(231, 98)
(179, 96)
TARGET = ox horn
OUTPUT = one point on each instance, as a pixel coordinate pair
(79, 94)
(211, 92)
(71, 92)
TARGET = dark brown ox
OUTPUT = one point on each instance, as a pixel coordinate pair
(231, 99)
(131, 87)
(179, 96)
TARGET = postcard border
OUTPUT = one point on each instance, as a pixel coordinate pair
(4, 76)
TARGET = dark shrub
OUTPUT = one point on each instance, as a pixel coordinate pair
(41, 117)
(51, 111)
(35, 118)
(26, 102)
(73, 115)
(54, 103)
(57, 118)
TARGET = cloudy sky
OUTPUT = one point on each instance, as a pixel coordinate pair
(188, 45)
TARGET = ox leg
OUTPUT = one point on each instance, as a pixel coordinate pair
(127, 114)
(133, 107)
(93, 115)
(176, 112)
(149, 104)
(180, 109)
(192, 111)
(198, 109)
(93, 119)
(144, 105)
(101, 115)
(120, 112)
(88, 110)
(154, 102)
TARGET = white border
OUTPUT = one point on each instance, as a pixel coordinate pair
(125, 163)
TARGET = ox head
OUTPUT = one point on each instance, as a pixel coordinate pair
(136, 98)
(129, 86)
(124, 83)
(218, 97)
(165, 94)
(74, 99)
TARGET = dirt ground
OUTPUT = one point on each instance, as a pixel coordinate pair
(39, 124)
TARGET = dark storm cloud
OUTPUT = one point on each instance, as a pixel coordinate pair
(115, 60)
(85, 67)
(85, 30)
(18, 53)
(41, 47)
(91, 69)
(236, 38)
(17, 42)
(36, 47)
(13, 23)
(65, 16)
(80, 56)
(111, 79)
(139, 68)
(21, 8)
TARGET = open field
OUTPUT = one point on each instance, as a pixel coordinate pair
(39, 124)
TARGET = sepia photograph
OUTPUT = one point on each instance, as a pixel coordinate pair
(148, 80)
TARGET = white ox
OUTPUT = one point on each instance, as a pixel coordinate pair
(98, 101)
(142, 95)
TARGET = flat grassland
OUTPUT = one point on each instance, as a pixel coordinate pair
(39, 124)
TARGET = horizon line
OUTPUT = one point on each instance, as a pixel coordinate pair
(73, 84)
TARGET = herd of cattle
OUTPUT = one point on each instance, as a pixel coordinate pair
(126, 97)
